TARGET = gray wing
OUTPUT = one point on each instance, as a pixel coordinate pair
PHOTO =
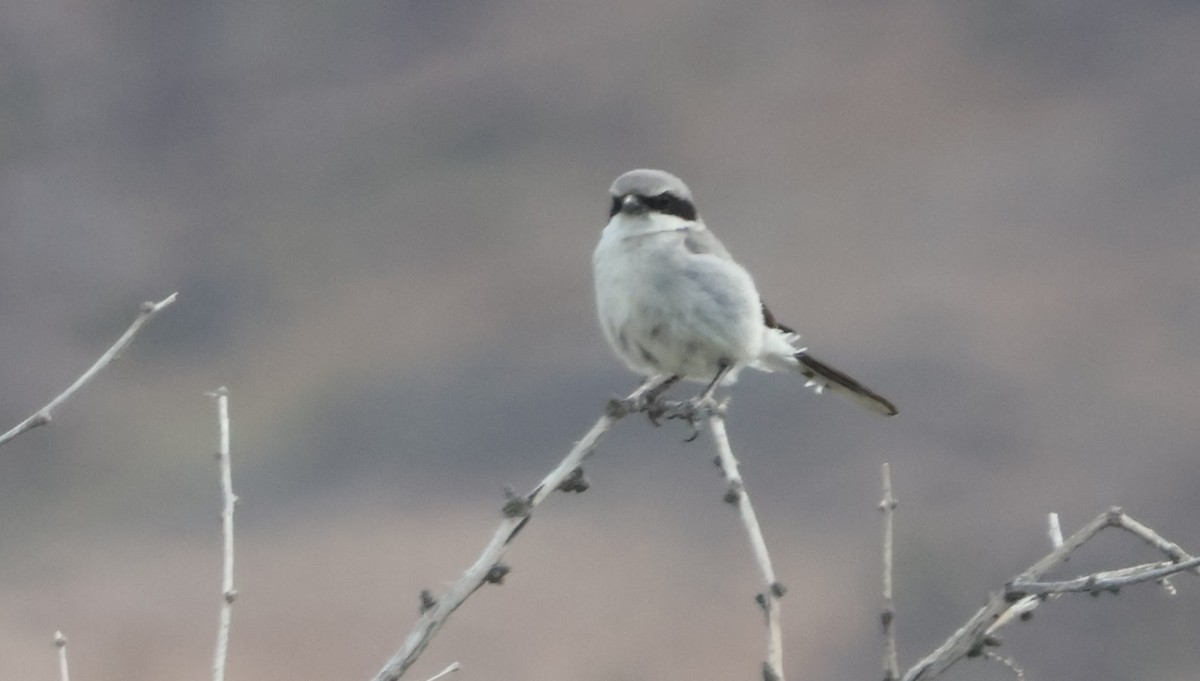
(700, 241)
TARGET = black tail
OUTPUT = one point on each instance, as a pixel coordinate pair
(824, 376)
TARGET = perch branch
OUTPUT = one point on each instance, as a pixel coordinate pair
(887, 506)
(42, 416)
(517, 512)
(229, 499)
(736, 494)
(1020, 594)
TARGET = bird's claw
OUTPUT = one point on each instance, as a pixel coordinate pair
(655, 408)
(693, 411)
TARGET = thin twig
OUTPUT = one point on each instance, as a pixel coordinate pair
(1019, 596)
(887, 506)
(769, 598)
(517, 512)
(229, 500)
(454, 666)
(42, 416)
(60, 642)
(1171, 549)
(1008, 662)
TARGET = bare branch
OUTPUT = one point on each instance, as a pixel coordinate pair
(1109, 580)
(769, 598)
(60, 642)
(887, 506)
(1023, 592)
(1169, 548)
(42, 416)
(517, 512)
(229, 499)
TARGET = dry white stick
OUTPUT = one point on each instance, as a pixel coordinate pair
(487, 568)
(736, 494)
(454, 666)
(60, 642)
(228, 593)
(42, 416)
(887, 506)
(1056, 536)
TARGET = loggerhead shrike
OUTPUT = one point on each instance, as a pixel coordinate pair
(674, 304)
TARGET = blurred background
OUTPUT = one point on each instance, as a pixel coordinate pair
(379, 215)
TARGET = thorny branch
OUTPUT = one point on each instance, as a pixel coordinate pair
(773, 590)
(517, 511)
(568, 476)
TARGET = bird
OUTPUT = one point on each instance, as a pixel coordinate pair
(673, 303)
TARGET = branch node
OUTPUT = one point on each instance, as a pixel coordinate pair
(778, 589)
(769, 674)
(733, 493)
(617, 408)
(576, 481)
(496, 574)
(231, 596)
(516, 506)
(59, 639)
(428, 602)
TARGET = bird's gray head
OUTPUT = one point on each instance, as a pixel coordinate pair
(643, 191)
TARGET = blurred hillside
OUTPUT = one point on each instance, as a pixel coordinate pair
(379, 216)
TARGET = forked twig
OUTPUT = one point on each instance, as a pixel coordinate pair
(1022, 593)
(42, 416)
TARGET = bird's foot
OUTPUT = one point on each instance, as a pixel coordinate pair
(696, 410)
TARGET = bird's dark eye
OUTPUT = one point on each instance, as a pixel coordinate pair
(670, 204)
(616, 206)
